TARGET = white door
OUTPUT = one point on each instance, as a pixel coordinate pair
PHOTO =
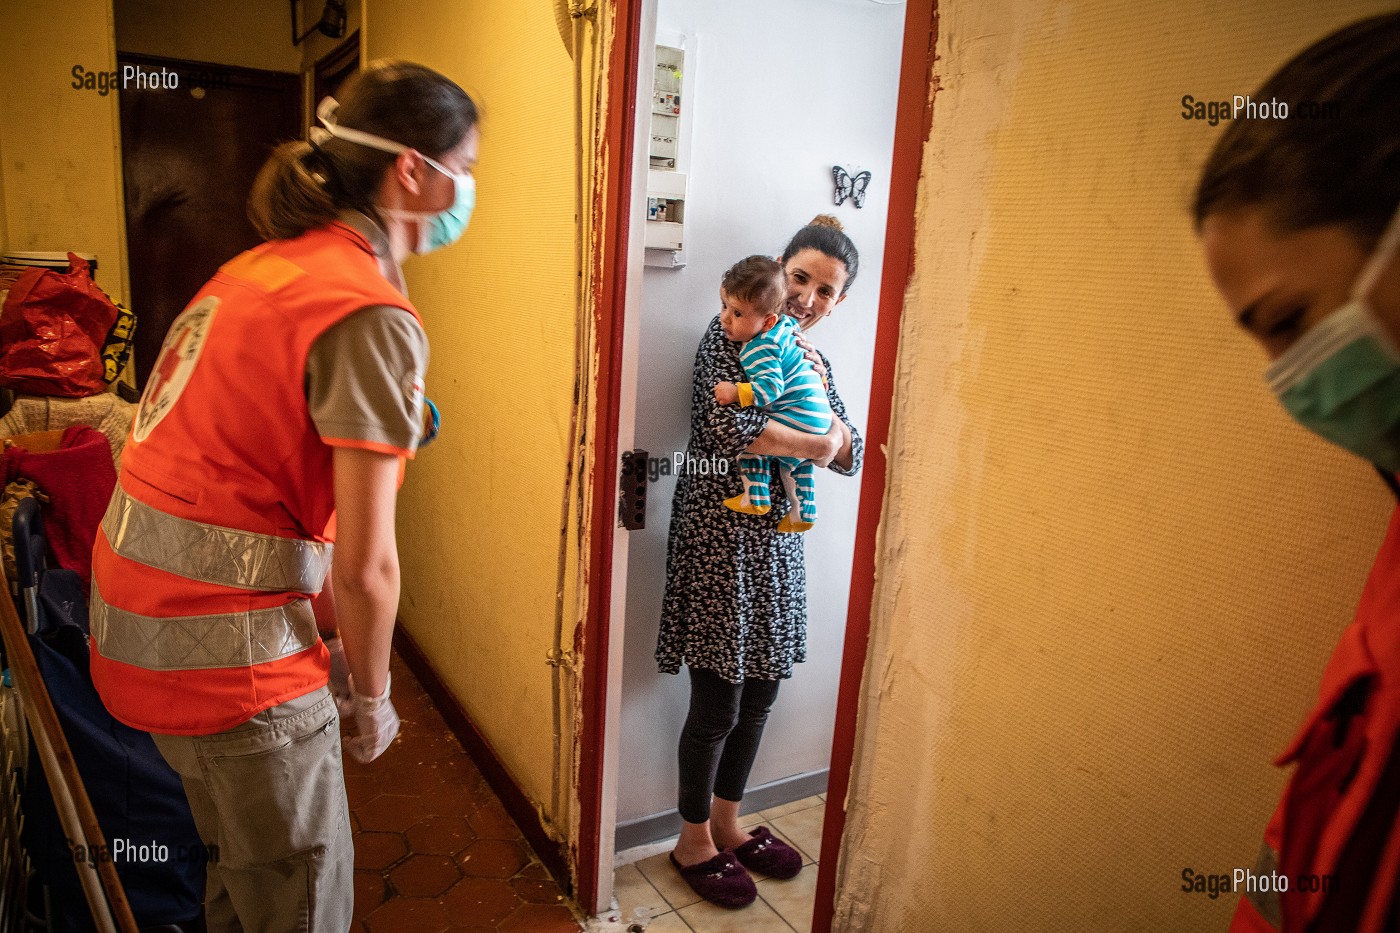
(776, 93)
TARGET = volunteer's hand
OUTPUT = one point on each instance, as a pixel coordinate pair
(376, 724)
(340, 677)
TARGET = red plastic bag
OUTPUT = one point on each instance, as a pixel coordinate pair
(51, 332)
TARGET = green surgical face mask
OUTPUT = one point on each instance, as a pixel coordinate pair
(1341, 379)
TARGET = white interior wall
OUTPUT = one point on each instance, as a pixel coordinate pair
(778, 92)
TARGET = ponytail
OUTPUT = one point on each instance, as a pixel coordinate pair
(292, 193)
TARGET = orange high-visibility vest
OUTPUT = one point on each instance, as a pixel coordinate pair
(217, 532)
(1335, 836)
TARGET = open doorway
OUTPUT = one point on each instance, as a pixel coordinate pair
(231, 93)
(777, 97)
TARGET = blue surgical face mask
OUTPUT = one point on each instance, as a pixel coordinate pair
(447, 227)
(1341, 379)
(436, 229)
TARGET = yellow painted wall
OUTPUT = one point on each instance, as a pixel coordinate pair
(249, 33)
(59, 159)
(1111, 568)
(315, 46)
(479, 512)
(4, 224)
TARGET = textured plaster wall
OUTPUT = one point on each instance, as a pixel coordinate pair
(479, 513)
(1110, 569)
(4, 224)
(60, 167)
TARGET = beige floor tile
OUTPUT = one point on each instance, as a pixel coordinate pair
(823, 797)
(806, 859)
(758, 917)
(804, 829)
(633, 890)
(663, 876)
(793, 899)
(805, 803)
(669, 922)
(751, 819)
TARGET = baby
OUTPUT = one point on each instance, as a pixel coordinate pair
(781, 381)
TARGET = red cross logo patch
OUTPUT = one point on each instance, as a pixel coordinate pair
(178, 356)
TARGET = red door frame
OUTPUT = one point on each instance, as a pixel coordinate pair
(611, 226)
(612, 222)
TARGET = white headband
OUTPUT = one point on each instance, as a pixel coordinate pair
(325, 112)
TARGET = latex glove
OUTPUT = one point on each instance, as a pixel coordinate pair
(376, 724)
(432, 421)
(340, 677)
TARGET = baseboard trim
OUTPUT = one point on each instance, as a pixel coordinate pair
(521, 809)
(649, 829)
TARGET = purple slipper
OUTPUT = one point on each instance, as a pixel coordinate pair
(721, 880)
(769, 855)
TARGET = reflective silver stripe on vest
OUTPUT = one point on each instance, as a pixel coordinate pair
(213, 554)
(184, 643)
(1266, 902)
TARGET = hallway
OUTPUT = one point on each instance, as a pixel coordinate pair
(435, 850)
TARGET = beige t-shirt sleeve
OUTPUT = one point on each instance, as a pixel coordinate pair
(364, 381)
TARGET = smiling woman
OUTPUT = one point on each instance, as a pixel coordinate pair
(1300, 223)
(735, 608)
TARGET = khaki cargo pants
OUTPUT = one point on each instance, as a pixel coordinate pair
(270, 795)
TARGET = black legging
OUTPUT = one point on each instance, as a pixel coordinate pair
(721, 714)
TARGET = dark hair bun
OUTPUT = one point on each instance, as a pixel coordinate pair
(824, 234)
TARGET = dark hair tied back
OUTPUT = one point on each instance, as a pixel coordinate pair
(824, 235)
(305, 185)
(1336, 158)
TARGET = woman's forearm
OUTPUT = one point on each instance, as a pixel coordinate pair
(779, 440)
(843, 458)
(366, 572)
(367, 604)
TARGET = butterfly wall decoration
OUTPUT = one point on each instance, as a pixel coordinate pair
(848, 186)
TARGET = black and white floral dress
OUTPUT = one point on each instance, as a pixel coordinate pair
(736, 587)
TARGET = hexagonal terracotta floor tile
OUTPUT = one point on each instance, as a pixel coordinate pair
(485, 901)
(389, 812)
(424, 876)
(492, 858)
(540, 918)
(440, 835)
(378, 850)
(405, 914)
(370, 892)
(536, 886)
(490, 821)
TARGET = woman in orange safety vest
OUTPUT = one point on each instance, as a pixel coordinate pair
(271, 435)
(1300, 222)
